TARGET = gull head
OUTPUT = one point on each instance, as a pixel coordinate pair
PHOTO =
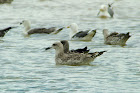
(73, 26)
(25, 22)
(103, 8)
(57, 46)
(105, 33)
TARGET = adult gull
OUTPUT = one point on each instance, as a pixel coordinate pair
(115, 38)
(106, 11)
(62, 58)
(80, 35)
(29, 31)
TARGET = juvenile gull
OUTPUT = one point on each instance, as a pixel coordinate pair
(4, 31)
(29, 31)
(66, 48)
(106, 11)
(62, 58)
(115, 38)
(80, 35)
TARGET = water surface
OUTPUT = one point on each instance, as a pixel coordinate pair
(26, 67)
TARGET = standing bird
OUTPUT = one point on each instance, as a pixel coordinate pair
(4, 31)
(115, 38)
(81, 35)
(106, 11)
(73, 59)
(29, 31)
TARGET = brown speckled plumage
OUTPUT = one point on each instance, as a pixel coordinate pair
(62, 58)
(115, 38)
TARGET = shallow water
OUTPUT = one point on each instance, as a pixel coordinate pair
(26, 67)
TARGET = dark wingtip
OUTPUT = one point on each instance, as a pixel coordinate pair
(102, 52)
(8, 28)
(85, 48)
(128, 34)
(94, 30)
(61, 28)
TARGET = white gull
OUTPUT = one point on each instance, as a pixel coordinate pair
(106, 11)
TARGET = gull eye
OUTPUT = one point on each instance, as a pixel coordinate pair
(54, 44)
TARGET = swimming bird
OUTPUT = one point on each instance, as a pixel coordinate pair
(106, 11)
(81, 35)
(115, 38)
(29, 31)
(73, 59)
(4, 31)
(66, 48)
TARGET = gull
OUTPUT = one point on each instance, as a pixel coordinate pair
(73, 59)
(106, 11)
(81, 35)
(115, 38)
(29, 31)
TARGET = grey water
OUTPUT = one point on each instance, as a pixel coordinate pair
(25, 67)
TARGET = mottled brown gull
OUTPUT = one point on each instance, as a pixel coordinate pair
(115, 38)
(29, 31)
(62, 58)
(80, 35)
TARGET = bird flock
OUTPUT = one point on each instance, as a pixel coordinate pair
(82, 56)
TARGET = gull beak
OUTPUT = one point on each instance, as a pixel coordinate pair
(48, 48)
(20, 23)
(68, 27)
(102, 10)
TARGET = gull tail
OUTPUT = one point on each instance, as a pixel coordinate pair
(96, 54)
(60, 29)
(92, 33)
(128, 35)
